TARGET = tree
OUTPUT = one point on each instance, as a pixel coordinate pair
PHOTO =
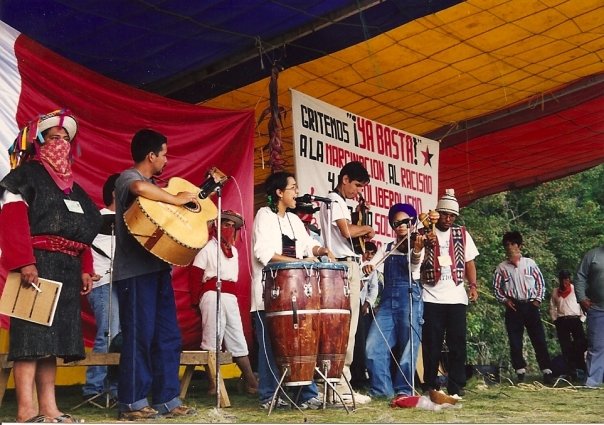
(559, 220)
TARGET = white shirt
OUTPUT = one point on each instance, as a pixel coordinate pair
(207, 260)
(266, 240)
(371, 287)
(446, 291)
(339, 245)
(102, 264)
(565, 306)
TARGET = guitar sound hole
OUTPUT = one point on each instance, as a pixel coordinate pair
(192, 206)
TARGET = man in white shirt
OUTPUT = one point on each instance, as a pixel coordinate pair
(338, 233)
(449, 258)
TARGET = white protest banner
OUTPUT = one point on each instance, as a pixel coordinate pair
(403, 167)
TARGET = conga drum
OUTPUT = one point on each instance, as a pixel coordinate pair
(292, 304)
(335, 319)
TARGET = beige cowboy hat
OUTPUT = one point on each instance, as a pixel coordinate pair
(234, 217)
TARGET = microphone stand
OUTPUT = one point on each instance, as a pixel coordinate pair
(328, 230)
(411, 326)
(218, 294)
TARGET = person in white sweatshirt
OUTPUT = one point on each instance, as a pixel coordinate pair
(568, 317)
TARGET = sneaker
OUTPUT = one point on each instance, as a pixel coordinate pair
(312, 404)
(279, 404)
(460, 392)
(358, 398)
(143, 414)
(520, 377)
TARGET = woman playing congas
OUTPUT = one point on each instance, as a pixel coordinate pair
(279, 237)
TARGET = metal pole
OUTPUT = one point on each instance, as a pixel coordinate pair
(218, 292)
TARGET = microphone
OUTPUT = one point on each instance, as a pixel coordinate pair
(309, 198)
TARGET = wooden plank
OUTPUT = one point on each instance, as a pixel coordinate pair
(190, 359)
(196, 358)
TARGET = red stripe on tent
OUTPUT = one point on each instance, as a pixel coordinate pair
(109, 113)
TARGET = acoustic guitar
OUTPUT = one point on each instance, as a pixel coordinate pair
(171, 232)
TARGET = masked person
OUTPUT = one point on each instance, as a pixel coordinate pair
(47, 223)
(203, 277)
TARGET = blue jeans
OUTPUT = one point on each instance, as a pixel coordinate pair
(150, 356)
(99, 303)
(268, 372)
(399, 327)
(595, 347)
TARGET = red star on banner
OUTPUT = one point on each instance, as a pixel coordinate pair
(427, 156)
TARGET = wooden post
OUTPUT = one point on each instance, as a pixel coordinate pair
(224, 397)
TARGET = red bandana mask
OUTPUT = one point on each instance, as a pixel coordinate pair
(227, 236)
(227, 239)
(55, 158)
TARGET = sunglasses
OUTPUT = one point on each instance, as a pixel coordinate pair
(405, 221)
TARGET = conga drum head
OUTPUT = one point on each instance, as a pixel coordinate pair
(292, 304)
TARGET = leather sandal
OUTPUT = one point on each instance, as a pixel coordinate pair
(66, 418)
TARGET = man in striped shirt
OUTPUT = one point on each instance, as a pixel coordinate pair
(520, 287)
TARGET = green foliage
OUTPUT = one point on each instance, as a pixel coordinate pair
(559, 220)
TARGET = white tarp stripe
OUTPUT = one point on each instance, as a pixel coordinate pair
(10, 90)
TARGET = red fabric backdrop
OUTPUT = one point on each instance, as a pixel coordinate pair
(108, 114)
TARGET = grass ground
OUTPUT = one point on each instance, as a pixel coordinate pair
(495, 403)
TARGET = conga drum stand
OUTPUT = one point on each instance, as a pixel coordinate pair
(330, 386)
(278, 389)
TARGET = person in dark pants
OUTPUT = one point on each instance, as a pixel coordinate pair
(568, 318)
(519, 286)
(449, 259)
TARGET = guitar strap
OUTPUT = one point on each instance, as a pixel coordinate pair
(100, 251)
